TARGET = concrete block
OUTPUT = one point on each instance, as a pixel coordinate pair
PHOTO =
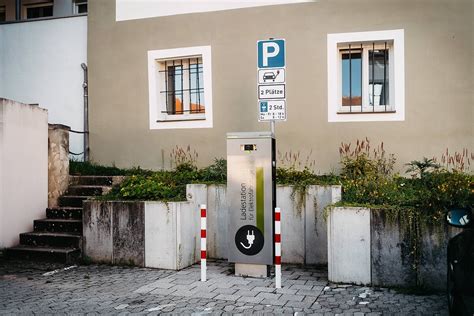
(217, 223)
(188, 228)
(317, 198)
(349, 245)
(97, 231)
(391, 264)
(292, 207)
(128, 231)
(160, 236)
(196, 194)
(433, 258)
(171, 233)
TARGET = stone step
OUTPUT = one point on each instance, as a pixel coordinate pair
(64, 213)
(51, 239)
(87, 190)
(91, 180)
(58, 225)
(58, 254)
(71, 200)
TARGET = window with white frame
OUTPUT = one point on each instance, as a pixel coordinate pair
(366, 76)
(40, 10)
(80, 6)
(180, 88)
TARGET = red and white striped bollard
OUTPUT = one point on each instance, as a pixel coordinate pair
(203, 242)
(277, 248)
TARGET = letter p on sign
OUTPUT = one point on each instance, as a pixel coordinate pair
(271, 53)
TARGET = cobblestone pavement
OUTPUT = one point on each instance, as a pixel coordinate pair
(33, 288)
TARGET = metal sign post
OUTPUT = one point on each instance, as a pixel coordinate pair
(271, 74)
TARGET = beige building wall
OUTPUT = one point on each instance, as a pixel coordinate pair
(438, 79)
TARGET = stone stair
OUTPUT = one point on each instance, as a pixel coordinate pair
(58, 237)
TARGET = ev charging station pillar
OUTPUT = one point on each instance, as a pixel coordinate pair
(251, 192)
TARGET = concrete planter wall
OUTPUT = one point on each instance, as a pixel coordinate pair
(166, 235)
(146, 234)
(303, 229)
(366, 248)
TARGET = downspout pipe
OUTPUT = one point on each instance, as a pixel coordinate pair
(86, 113)
(18, 10)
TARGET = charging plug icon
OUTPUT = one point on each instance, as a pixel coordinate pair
(250, 239)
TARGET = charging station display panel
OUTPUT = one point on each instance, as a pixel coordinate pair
(250, 190)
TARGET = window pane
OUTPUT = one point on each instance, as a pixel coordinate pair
(82, 8)
(174, 91)
(2, 14)
(196, 79)
(378, 77)
(39, 12)
(351, 78)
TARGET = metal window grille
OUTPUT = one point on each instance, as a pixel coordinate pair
(375, 87)
(183, 80)
(39, 11)
(2, 14)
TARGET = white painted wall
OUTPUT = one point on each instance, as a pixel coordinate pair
(40, 62)
(140, 9)
(23, 168)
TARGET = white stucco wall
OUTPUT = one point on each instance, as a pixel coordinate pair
(23, 169)
(40, 62)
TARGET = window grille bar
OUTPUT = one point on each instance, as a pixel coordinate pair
(180, 112)
(166, 84)
(361, 81)
(182, 75)
(384, 76)
(373, 76)
(173, 75)
(197, 77)
(193, 90)
(350, 79)
(190, 86)
(186, 69)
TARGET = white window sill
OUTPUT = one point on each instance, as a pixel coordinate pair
(182, 118)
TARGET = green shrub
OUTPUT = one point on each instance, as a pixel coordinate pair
(215, 173)
(368, 180)
(86, 168)
(305, 177)
(167, 185)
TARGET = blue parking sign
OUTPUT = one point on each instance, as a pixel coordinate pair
(263, 106)
(271, 53)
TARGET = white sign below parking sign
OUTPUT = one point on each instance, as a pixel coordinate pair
(272, 110)
(271, 68)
